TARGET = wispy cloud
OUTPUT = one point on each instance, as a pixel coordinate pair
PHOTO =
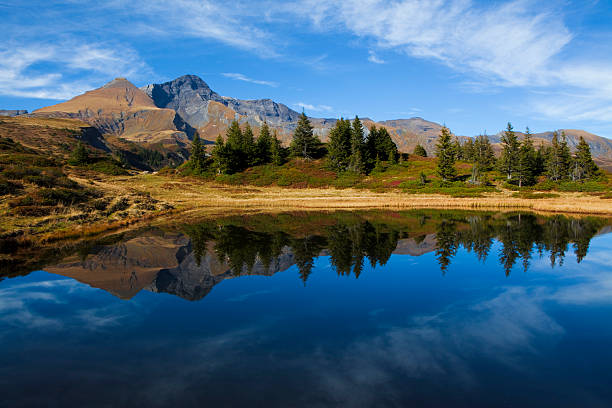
(373, 58)
(244, 78)
(229, 23)
(64, 69)
(496, 44)
(314, 108)
(488, 40)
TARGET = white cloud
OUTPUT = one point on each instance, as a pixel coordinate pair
(314, 108)
(228, 23)
(508, 43)
(62, 70)
(241, 77)
(519, 43)
(373, 58)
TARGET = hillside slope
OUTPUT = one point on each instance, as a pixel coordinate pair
(121, 109)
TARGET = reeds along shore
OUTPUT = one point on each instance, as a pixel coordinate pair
(199, 196)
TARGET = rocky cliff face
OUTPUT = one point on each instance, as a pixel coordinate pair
(198, 105)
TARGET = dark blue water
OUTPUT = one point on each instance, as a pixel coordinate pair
(407, 333)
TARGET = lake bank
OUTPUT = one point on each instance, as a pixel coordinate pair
(185, 197)
(193, 195)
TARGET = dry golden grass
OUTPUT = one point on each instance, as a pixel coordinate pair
(196, 198)
(193, 195)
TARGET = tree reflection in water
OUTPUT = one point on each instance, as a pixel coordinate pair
(350, 243)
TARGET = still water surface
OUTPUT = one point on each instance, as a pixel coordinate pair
(402, 309)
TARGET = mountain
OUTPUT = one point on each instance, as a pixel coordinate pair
(601, 147)
(168, 114)
(119, 108)
(210, 113)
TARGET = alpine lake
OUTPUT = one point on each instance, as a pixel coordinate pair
(358, 309)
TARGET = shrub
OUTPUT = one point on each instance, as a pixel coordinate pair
(9, 187)
(108, 166)
(32, 211)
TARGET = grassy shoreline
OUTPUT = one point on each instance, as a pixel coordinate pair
(192, 197)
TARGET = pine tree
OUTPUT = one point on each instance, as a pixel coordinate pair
(263, 146)
(305, 144)
(198, 155)
(566, 157)
(554, 165)
(483, 153)
(339, 146)
(540, 163)
(356, 162)
(458, 150)
(446, 155)
(526, 169)
(248, 148)
(468, 150)
(371, 152)
(584, 166)
(236, 159)
(420, 151)
(483, 158)
(509, 159)
(221, 156)
(79, 155)
(277, 151)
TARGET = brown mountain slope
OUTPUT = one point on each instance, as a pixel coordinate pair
(121, 109)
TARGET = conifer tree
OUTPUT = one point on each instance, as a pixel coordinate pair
(379, 146)
(235, 159)
(584, 166)
(356, 162)
(277, 151)
(420, 151)
(483, 153)
(526, 169)
(468, 150)
(264, 145)
(198, 155)
(79, 155)
(554, 165)
(540, 163)
(458, 149)
(234, 135)
(220, 156)
(248, 148)
(339, 146)
(446, 155)
(566, 157)
(509, 159)
(305, 144)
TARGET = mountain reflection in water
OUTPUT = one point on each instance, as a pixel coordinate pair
(190, 261)
(418, 308)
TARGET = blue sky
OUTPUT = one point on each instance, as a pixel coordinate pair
(473, 65)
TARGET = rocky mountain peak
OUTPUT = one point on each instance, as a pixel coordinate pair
(119, 83)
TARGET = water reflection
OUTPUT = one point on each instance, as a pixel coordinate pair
(190, 260)
(426, 316)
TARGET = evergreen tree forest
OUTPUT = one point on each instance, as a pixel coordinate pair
(351, 148)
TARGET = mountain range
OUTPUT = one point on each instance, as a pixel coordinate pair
(167, 115)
